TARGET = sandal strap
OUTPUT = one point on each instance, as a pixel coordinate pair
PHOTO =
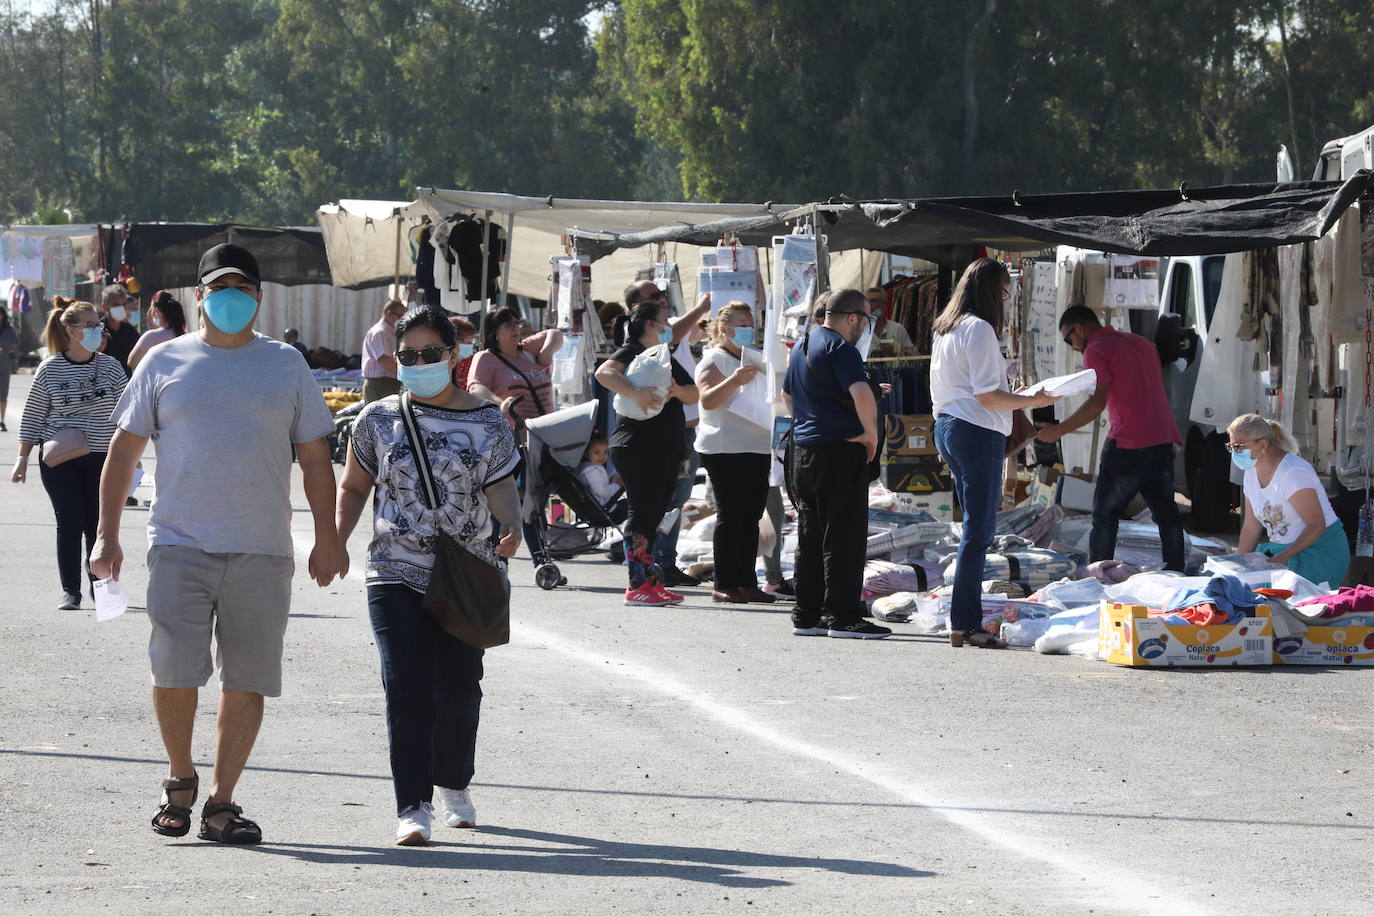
(182, 784)
(167, 809)
(213, 808)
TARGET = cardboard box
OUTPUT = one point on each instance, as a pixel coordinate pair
(940, 504)
(916, 475)
(1327, 646)
(909, 434)
(1129, 636)
(1075, 493)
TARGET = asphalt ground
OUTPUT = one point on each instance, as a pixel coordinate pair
(696, 759)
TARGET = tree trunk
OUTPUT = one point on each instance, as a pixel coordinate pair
(1288, 87)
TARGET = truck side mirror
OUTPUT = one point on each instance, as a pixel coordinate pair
(1173, 341)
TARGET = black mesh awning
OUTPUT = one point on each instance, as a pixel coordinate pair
(166, 255)
(1176, 222)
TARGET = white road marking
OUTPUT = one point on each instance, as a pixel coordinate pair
(1111, 885)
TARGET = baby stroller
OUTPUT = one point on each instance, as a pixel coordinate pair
(557, 442)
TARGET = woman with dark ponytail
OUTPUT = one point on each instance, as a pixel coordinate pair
(168, 319)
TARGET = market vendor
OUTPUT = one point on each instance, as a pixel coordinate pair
(1285, 500)
(1138, 456)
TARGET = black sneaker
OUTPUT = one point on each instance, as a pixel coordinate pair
(857, 629)
(804, 626)
(70, 602)
(674, 577)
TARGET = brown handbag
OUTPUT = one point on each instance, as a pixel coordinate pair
(1022, 431)
(466, 596)
(68, 443)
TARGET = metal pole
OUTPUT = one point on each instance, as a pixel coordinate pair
(505, 266)
(396, 273)
(486, 227)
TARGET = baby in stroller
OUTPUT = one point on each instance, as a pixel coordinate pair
(608, 488)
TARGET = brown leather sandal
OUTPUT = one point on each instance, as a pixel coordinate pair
(979, 638)
(238, 830)
(175, 820)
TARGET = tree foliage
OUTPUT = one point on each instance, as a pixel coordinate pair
(260, 110)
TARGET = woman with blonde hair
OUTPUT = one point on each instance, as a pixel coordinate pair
(71, 402)
(1285, 501)
(736, 452)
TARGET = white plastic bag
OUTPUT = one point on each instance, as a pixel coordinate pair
(653, 370)
(1067, 593)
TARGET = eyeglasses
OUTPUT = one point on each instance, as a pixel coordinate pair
(426, 355)
(1236, 448)
(85, 326)
(866, 316)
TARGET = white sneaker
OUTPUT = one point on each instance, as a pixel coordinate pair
(413, 828)
(458, 804)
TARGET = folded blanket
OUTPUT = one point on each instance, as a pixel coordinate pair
(1357, 600)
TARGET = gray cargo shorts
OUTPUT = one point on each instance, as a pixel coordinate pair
(242, 598)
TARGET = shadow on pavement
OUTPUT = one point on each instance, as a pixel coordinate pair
(558, 854)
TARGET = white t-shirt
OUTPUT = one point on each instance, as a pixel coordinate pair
(598, 481)
(964, 363)
(683, 354)
(722, 431)
(1270, 504)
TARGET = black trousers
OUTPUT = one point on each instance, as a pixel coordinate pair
(740, 482)
(74, 490)
(830, 483)
(650, 475)
(433, 686)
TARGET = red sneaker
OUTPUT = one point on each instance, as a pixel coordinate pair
(646, 596)
(670, 597)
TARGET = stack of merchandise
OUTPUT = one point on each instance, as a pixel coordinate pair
(1137, 543)
(891, 589)
(1031, 567)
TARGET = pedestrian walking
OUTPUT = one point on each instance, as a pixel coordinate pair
(1286, 503)
(834, 437)
(968, 387)
(68, 416)
(1138, 456)
(224, 407)
(168, 320)
(121, 335)
(736, 451)
(379, 354)
(432, 680)
(9, 360)
(648, 453)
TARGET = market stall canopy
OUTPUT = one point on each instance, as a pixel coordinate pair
(21, 250)
(166, 255)
(1177, 222)
(364, 239)
(360, 236)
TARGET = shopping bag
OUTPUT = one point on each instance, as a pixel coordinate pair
(652, 369)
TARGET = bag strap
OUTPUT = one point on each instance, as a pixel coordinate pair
(417, 446)
(846, 401)
(538, 404)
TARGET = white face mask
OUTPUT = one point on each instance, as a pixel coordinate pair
(118, 313)
(865, 341)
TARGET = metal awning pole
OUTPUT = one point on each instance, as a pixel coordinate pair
(396, 273)
(482, 323)
(505, 265)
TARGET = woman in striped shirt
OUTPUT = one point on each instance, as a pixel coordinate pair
(76, 387)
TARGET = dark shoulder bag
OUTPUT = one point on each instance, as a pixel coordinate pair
(847, 401)
(466, 595)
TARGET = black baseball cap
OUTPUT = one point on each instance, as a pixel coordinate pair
(228, 259)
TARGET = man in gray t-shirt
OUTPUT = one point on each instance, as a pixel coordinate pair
(224, 407)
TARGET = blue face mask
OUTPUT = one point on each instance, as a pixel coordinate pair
(424, 381)
(465, 350)
(91, 337)
(665, 335)
(230, 310)
(742, 337)
(133, 316)
(1243, 460)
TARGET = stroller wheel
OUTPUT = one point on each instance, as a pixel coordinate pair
(547, 577)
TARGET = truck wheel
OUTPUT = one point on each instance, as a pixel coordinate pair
(1209, 486)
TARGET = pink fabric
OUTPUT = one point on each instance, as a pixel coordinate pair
(379, 341)
(504, 382)
(1357, 600)
(1137, 404)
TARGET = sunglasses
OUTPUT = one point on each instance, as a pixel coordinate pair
(427, 355)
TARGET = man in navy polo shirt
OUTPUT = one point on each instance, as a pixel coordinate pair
(834, 436)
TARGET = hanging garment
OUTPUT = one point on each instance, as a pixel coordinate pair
(424, 266)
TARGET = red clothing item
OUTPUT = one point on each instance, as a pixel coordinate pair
(1137, 405)
(460, 373)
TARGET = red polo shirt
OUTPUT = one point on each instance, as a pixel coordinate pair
(1137, 405)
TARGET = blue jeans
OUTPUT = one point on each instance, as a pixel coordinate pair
(665, 545)
(433, 688)
(975, 455)
(1122, 473)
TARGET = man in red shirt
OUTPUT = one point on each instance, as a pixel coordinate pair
(1138, 456)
